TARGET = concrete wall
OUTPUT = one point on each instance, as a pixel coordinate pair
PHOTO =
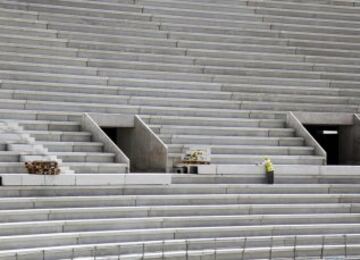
(349, 143)
(113, 120)
(349, 132)
(293, 122)
(313, 118)
(145, 150)
(98, 135)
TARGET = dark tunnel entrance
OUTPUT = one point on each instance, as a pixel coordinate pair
(328, 136)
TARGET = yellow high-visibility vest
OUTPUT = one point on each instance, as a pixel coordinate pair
(269, 166)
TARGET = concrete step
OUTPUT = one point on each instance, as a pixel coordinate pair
(79, 167)
(221, 245)
(73, 146)
(31, 40)
(14, 216)
(52, 78)
(56, 227)
(221, 7)
(132, 47)
(97, 167)
(21, 22)
(114, 39)
(307, 14)
(9, 156)
(125, 7)
(47, 68)
(231, 176)
(42, 240)
(9, 114)
(96, 20)
(122, 12)
(42, 59)
(26, 31)
(277, 159)
(222, 131)
(18, 14)
(149, 110)
(309, 21)
(246, 149)
(343, 179)
(41, 125)
(331, 2)
(60, 136)
(122, 99)
(134, 56)
(155, 94)
(304, 252)
(208, 121)
(248, 159)
(148, 88)
(226, 67)
(37, 50)
(264, 116)
(106, 31)
(230, 140)
(191, 103)
(271, 103)
(85, 157)
(225, 23)
(187, 184)
(348, 10)
(203, 199)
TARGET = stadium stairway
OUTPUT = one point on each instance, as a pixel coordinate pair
(181, 221)
(24, 139)
(215, 73)
(229, 80)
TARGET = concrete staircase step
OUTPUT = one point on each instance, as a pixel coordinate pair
(181, 233)
(18, 14)
(30, 32)
(306, 7)
(128, 7)
(60, 136)
(220, 244)
(41, 41)
(311, 252)
(21, 22)
(223, 131)
(306, 14)
(210, 121)
(189, 184)
(37, 50)
(39, 125)
(106, 31)
(310, 21)
(246, 149)
(9, 156)
(42, 59)
(204, 199)
(233, 140)
(158, 94)
(73, 146)
(56, 227)
(85, 156)
(124, 12)
(97, 167)
(14, 216)
(96, 20)
(277, 159)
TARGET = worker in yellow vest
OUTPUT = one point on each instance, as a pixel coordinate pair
(269, 170)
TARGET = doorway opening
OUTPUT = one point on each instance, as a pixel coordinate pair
(328, 136)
